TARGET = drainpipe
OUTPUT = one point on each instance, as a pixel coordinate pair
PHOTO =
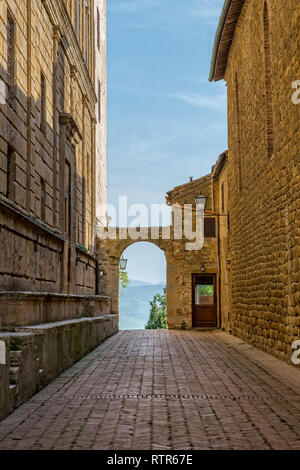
(213, 194)
(97, 278)
(219, 269)
(218, 253)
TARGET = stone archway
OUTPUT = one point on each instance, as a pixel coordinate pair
(180, 264)
(109, 253)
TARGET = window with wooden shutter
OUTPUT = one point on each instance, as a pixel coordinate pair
(11, 173)
(43, 103)
(223, 197)
(239, 133)
(43, 199)
(10, 55)
(268, 83)
(87, 34)
(77, 18)
(209, 227)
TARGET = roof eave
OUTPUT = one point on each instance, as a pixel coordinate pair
(218, 167)
(224, 38)
(218, 37)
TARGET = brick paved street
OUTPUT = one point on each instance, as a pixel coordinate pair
(164, 390)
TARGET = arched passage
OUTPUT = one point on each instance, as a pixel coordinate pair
(146, 268)
(182, 265)
(110, 252)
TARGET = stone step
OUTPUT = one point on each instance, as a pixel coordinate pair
(47, 326)
(14, 373)
(15, 358)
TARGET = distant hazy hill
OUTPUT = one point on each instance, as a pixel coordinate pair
(134, 304)
(140, 283)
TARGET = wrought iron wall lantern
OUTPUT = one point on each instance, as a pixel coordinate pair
(123, 263)
(200, 203)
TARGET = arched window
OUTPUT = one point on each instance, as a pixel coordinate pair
(268, 83)
(87, 33)
(77, 18)
(43, 103)
(11, 53)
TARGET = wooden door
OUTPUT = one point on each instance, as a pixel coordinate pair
(204, 300)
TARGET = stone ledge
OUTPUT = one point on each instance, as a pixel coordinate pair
(28, 295)
(19, 309)
(12, 208)
(11, 334)
(37, 354)
(47, 326)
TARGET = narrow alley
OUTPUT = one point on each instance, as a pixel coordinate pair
(161, 390)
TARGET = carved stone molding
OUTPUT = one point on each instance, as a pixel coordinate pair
(85, 100)
(73, 70)
(57, 33)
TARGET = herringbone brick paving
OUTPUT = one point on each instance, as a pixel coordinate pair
(162, 390)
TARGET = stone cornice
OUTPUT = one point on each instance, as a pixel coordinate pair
(57, 33)
(11, 208)
(220, 165)
(73, 71)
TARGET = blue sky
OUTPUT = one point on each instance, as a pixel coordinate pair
(146, 262)
(166, 122)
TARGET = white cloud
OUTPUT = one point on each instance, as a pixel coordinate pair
(199, 100)
(217, 103)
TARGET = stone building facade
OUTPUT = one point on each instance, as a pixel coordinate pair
(101, 114)
(50, 163)
(256, 54)
(49, 156)
(221, 194)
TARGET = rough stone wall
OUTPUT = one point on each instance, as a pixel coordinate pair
(27, 262)
(47, 195)
(221, 193)
(33, 254)
(264, 189)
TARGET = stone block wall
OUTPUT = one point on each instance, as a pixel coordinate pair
(265, 186)
(101, 110)
(19, 377)
(30, 254)
(47, 148)
(48, 268)
(221, 194)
